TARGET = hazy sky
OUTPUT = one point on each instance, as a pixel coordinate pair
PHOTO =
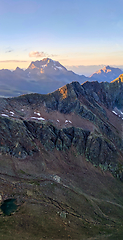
(74, 32)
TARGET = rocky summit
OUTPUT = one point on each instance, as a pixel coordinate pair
(61, 158)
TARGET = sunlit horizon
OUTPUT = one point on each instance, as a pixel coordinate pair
(85, 69)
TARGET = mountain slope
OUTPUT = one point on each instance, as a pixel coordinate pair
(89, 104)
(119, 79)
(61, 157)
(106, 74)
(109, 94)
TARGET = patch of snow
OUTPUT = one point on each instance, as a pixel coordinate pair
(114, 112)
(12, 112)
(41, 118)
(37, 113)
(121, 112)
(4, 115)
(60, 68)
(38, 118)
(43, 66)
(68, 121)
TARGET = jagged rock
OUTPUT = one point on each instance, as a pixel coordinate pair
(100, 151)
(15, 138)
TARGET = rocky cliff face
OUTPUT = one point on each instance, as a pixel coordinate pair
(75, 115)
(109, 94)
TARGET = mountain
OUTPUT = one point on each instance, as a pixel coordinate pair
(46, 76)
(61, 158)
(47, 66)
(41, 76)
(119, 79)
(106, 74)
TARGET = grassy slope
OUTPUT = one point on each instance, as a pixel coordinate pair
(86, 204)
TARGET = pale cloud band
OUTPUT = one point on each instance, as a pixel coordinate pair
(37, 54)
(11, 61)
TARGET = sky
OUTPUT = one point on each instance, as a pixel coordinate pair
(74, 32)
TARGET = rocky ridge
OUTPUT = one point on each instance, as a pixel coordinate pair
(27, 119)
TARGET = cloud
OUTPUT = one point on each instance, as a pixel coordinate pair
(8, 61)
(9, 51)
(38, 54)
(53, 55)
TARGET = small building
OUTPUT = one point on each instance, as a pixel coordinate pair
(57, 178)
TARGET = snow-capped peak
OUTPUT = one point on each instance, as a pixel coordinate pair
(46, 65)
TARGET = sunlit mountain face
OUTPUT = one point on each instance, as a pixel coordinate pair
(119, 79)
(106, 74)
(47, 65)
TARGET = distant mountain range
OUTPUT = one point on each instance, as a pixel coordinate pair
(46, 76)
(106, 74)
